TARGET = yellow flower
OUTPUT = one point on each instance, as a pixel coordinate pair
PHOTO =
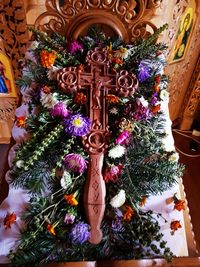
(47, 58)
(51, 229)
(71, 200)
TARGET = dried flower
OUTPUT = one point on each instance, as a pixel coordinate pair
(113, 111)
(128, 213)
(175, 225)
(51, 229)
(74, 47)
(179, 204)
(111, 173)
(80, 98)
(46, 89)
(143, 201)
(143, 71)
(118, 200)
(21, 121)
(69, 218)
(126, 125)
(9, 219)
(48, 100)
(71, 200)
(47, 58)
(75, 162)
(116, 152)
(60, 110)
(77, 125)
(79, 233)
(112, 99)
(66, 180)
(123, 138)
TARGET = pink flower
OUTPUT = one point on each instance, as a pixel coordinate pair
(74, 47)
(122, 138)
(60, 110)
(111, 173)
(75, 162)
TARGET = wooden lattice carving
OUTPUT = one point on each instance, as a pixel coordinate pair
(128, 19)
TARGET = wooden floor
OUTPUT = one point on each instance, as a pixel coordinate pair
(191, 179)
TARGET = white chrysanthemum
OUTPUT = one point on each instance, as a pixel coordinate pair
(114, 111)
(66, 180)
(52, 72)
(143, 101)
(121, 53)
(19, 163)
(118, 200)
(174, 157)
(164, 95)
(48, 100)
(168, 143)
(116, 152)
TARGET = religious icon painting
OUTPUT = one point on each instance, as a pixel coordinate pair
(184, 33)
(7, 86)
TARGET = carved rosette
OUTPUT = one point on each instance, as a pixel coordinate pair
(68, 79)
(127, 83)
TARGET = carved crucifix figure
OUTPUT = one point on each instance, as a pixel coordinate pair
(97, 80)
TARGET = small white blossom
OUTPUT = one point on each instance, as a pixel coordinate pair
(118, 200)
(143, 101)
(19, 163)
(114, 111)
(164, 95)
(174, 157)
(116, 152)
(34, 45)
(66, 180)
(52, 72)
(48, 100)
(121, 53)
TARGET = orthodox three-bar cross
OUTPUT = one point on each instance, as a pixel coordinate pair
(96, 80)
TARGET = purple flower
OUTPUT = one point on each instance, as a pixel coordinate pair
(154, 99)
(60, 110)
(75, 46)
(143, 71)
(123, 138)
(141, 113)
(69, 218)
(79, 233)
(77, 125)
(75, 163)
(117, 225)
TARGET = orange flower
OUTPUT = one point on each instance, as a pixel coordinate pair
(117, 60)
(155, 109)
(21, 121)
(46, 89)
(143, 201)
(112, 99)
(47, 58)
(156, 88)
(51, 229)
(128, 213)
(80, 98)
(175, 225)
(9, 219)
(71, 200)
(179, 204)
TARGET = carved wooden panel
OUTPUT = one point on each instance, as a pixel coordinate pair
(13, 31)
(128, 19)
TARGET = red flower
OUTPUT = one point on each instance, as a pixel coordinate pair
(157, 79)
(80, 98)
(128, 213)
(143, 201)
(71, 200)
(111, 173)
(47, 58)
(155, 109)
(9, 219)
(179, 204)
(46, 89)
(112, 99)
(51, 229)
(156, 88)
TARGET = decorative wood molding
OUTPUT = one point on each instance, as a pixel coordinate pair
(128, 19)
(13, 31)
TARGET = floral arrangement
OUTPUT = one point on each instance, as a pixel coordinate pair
(52, 163)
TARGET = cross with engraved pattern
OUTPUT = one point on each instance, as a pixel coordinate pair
(97, 81)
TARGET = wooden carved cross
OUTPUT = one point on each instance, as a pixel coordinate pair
(97, 81)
